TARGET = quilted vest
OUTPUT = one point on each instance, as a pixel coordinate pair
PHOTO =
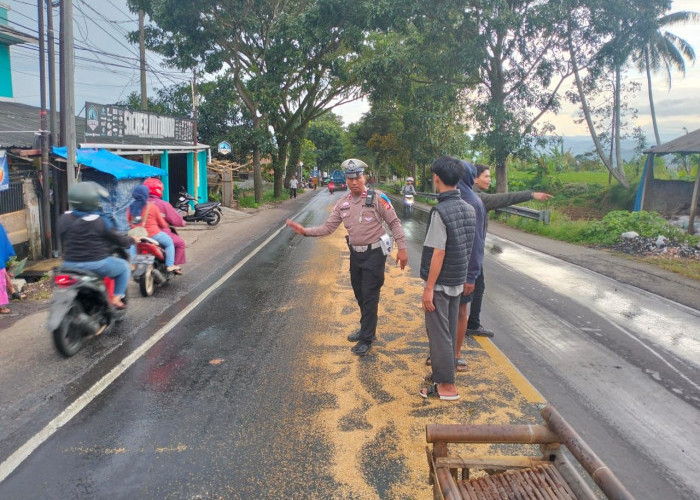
(459, 219)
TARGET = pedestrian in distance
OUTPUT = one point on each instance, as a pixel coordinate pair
(492, 201)
(444, 263)
(6, 251)
(293, 185)
(362, 212)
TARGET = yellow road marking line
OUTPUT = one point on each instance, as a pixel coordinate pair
(514, 375)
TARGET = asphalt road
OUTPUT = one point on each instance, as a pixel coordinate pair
(254, 393)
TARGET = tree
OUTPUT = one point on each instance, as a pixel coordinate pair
(600, 36)
(661, 52)
(499, 60)
(326, 133)
(289, 60)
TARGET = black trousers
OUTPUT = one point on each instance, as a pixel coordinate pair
(292, 192)
(367, 278)
(475, 308)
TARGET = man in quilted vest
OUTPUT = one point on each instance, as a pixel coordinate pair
(444, 265)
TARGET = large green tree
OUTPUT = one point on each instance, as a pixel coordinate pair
(326, 133)
(289, 60)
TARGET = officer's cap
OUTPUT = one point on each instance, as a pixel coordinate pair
(353, 167)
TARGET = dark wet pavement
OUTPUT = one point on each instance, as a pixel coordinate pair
(255, 394)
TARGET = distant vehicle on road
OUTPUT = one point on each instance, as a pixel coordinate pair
(324, 180)
(338, 179)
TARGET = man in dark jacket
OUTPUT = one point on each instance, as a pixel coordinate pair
(492, 202)
(476, 258)
(88, 238)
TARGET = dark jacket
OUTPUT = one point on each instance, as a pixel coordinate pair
(87, 238)
(465, 185)
(492, 201)
(459, 221)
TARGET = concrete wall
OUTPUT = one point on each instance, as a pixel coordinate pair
(668, 197)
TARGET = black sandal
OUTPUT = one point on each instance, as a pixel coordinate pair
(19, 295)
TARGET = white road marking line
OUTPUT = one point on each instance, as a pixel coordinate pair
(21, 454)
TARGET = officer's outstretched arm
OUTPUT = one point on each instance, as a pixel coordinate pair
(298, 228)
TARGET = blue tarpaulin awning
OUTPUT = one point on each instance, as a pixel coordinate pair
(115, 165)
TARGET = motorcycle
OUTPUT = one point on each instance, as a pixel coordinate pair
(408, 205)
(331, 187)
(150, 270)
(81, 307)
(209, 212)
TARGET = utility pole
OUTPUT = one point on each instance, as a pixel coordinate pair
(142, 54)
(43, 126)
(68, 110)
(195, 103)
(53, 139)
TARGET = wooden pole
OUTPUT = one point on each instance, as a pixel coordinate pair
(44, 130)
(694, 202)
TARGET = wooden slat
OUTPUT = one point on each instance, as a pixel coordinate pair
(488, 462)
(543, 482)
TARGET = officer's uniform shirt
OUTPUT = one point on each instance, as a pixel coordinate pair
(363, 223)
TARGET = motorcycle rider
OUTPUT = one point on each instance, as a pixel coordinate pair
(139, 214)
(409, 188)
(155, 196)
(88, 238)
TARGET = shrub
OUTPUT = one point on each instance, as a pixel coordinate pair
(647, 224)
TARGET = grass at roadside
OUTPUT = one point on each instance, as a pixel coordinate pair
(690, 268)
(246, 199)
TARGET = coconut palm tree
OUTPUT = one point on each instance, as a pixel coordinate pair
(662, 51)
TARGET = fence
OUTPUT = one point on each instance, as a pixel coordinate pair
(12, 200)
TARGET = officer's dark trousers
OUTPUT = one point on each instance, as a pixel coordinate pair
(367, 278)
(475, 307)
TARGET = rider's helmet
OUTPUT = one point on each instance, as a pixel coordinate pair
(86, 196)
(409, 179)
(155, 187)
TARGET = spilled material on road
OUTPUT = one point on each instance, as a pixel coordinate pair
(377, 427)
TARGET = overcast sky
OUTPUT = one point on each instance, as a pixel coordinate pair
(100, 27)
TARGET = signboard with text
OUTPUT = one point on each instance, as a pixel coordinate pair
(117, 124)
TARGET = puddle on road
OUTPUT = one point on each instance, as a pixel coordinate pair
(377, 427)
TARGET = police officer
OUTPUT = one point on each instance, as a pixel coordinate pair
(362, 212)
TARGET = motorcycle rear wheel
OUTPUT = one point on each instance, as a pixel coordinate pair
(213, 218)
(147, 283)
(67, 338)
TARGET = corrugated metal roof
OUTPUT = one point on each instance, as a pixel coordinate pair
(688, 143)
(19, 125)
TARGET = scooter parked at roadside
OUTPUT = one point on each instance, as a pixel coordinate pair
(150, 270)
(81, 307)
(209, 212)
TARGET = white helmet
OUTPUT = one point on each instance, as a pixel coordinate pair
(409, 179)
